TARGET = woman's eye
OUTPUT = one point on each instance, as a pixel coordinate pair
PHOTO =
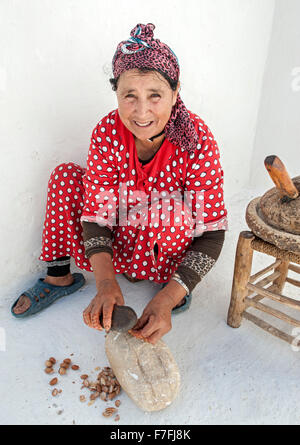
(152, 95)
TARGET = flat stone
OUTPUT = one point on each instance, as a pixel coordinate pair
(147, 373)
(279, 238)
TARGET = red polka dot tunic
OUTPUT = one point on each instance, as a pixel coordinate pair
(168, 201)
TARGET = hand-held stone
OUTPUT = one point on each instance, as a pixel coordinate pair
(123, 318)
(147, 373)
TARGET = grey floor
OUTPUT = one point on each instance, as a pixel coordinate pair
(228, 376)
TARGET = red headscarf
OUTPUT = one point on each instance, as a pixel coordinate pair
(141, 50)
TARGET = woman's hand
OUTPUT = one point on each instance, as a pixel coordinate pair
(109, 294)
(156, 318)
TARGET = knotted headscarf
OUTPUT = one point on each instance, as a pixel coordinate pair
(141, 50)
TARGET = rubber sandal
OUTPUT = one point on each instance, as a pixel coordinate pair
(184, 306)
(43, 294)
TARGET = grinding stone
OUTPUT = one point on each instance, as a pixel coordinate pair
(147, 373)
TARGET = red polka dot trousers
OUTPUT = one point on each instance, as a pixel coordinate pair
(133, 252)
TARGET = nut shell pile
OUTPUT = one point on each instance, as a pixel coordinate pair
(106, 387)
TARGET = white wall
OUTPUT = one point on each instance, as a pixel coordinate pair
(278, 124)
(55, 60)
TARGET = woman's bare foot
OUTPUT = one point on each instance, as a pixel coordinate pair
(24, 302)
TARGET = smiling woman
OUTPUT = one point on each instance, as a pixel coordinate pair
(145, 102)
(149, 203)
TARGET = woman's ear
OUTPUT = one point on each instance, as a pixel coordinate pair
(176, 93)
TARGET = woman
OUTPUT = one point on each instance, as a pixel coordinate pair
(152, 185)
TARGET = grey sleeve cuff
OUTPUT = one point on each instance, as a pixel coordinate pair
(201, 257)
(194, 267)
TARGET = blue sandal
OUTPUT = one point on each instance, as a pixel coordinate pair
(43, 294)
(184, 306)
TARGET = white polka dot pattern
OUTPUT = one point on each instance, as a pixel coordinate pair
(142, 204)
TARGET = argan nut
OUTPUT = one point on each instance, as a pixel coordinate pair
(52, 360)
(49, 370)
(94, 395)
(62, 371)
(103, 396)
(53, 381)
(112, 395)
(75, 367)
(54, 392)
(48, 364)
(84, 376)
(64, 365)
(118, 403)
(82, 398)
(109, 411)
(67, 360)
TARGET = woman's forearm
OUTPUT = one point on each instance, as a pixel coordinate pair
(103, 268)
(175, 293)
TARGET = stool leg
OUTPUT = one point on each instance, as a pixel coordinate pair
(242, 272)
(283, 268)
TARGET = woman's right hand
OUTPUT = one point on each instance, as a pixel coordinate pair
(109, 293)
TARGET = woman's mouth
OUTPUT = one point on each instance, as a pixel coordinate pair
(143, 124)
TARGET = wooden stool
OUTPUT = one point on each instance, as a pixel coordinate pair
(243, 285)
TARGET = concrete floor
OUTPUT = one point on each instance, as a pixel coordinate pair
(229, 376)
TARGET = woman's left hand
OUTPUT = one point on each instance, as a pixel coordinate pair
(156, 318)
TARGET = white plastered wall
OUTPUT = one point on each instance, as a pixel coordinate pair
(278, 123)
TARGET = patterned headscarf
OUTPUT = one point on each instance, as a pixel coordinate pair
(141, 50)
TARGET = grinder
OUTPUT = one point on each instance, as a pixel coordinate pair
(123, 318)
(275, 216)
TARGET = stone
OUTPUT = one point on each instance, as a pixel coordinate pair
(283, 216)
(123, 318)
(279, 238)
(274, 221)
(147, 373)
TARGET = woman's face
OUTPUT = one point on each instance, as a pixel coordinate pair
(145, 98)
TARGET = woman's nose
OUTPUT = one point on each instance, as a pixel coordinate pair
(142, 109)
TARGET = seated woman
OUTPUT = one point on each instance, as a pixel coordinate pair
(149, 203)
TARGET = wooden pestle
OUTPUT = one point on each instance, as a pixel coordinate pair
(281, 178)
